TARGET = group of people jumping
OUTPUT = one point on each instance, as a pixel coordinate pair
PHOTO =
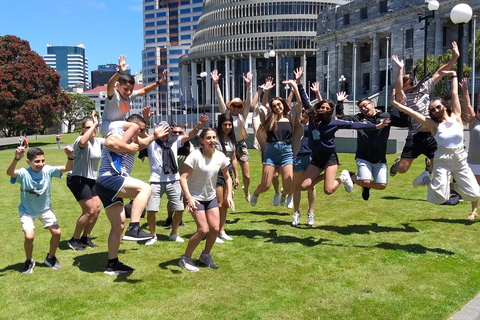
(296, 142)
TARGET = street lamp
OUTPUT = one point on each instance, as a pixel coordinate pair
(342, 82)
(170, 85)
(203, 75)
(461, 14)
(432, 6)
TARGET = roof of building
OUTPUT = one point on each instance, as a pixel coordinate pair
(104, 88)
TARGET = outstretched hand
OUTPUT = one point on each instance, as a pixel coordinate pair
(268, 84)
(68, 151)
(248, 79)
(298, 75)
(20, 152)
(147, 113)
(397, 61)
(456, 51)
(215, 76)
(122, 67)
(315, 87)
(203, 119)
(341, 96)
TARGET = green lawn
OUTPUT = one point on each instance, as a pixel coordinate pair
(394, 257)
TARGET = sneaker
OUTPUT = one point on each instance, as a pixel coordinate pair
(296, 219)
(347, 181)
(428, 167)
(247, 197)
(52, 262)
(365, 193)
(187, 263)
(28, 267)
(181, 223)
(87, 242)
(394, 167)
(175, 237)
(420, 180)
(218, 240)
(117, 267)
(136, 234)
(168, 222)
(276, 199)
(75, 245)
(151, 241)
(290, 202)
(223, 235)
(310, 219)
(207, 260)
(253, 200)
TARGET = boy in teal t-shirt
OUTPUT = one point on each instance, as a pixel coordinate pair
(35, 182)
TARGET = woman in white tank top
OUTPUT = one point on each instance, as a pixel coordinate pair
(445, 124)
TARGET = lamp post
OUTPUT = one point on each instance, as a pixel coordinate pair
(203, 75)
(342, 82)
(461, 14)
(170, 85)
(432, 6)
(286, 78)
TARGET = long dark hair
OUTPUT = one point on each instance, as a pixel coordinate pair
(272, 118)
(312, 112)
(444, 103)
(227, 116)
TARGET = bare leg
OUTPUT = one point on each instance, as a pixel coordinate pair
(245, 176)
(312, 194)
(474, 203)
(287, 179)
(86, 222)
(140, 191)
(177, 219)
(405, 164)
(267, 176)
(311, 176)
(297, 192)
(275, 182)
(152, 221)
(202, 229)
(54, 240)
(116, 216)
(331, 183)
(213, 220)
(28, 243)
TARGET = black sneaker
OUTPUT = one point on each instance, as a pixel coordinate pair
(181, 223)
(136, 234)
(394, 167)
(365, 193)
(52, 262)
(117, 267)
(75, 245)
(87, 242)
(28, 267)
(168, 222)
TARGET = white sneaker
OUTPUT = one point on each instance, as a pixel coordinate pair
(276, 199)
(310, 220)
(218, 240)
(290, 202)
(175, 237)
(151, 241)
(223, 235)
(420, 180)
(253, 200)
(187, 263)
(296, 219)
(247, 197)
(347, 181)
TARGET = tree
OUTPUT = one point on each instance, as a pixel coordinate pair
(477, 50)
(30, 96)
(81, 108)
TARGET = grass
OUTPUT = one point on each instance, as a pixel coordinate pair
(395, 256)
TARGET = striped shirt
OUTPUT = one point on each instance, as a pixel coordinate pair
(116, 163)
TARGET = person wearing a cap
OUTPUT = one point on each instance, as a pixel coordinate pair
(239, 111)
(416, 96)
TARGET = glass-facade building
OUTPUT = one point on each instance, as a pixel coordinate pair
(70, 63)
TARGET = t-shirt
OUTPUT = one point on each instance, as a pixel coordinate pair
(35, 189)
(87, 158)
(203, 178)
(156, 162)
(229, 148)
(474, 144)
(419, 101)
(116, 109)
(116, 163)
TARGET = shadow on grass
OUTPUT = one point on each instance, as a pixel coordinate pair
(409, 248)
(15, 267)
(266, 213)
(366, 229)
(171, 265)
(457, 221)
(273, 237)
(400, 198)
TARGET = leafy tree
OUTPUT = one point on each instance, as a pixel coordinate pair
(30, 96)
(81, 108)
(477, 50)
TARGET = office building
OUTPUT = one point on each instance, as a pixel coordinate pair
(103, 73)
(70, 63)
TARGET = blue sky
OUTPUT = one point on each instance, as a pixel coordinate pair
(107, 28)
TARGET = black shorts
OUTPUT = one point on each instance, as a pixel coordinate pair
(81, 187)
(206, 205)
(419, 143)
(221, 182)
(324, 159)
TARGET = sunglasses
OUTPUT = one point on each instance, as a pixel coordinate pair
(87, 128)
(237, 106)
(432, 110)
(177, 132)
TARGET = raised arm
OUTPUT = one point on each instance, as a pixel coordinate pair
(266, 90)
(88, 134)
(221, 103)
(154, 85)
(399, 82)
(315, 87)
(446, 67)
(294, 87)
(193, 133)
(248, 94)
(19, 154)
(456, 107)
(122, 67)
(427, 122)
(69, 166)
(467, 106)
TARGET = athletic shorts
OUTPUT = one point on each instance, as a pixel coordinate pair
(278, 154)
(207, 205)
(48, 219)
(301, 163)
(419, 143)
(81, 187)
(174, 195)
(108, 186)
(375, 172)
(241, 151)
(221, 182)
(323, 159)
(108, 126)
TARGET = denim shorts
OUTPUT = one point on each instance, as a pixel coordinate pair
(278, 154)
(375, 172)
(301, 163)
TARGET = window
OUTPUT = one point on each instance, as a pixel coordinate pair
(161, 23)
(149, 24)
(383, 6)
(365, 52)
(366, 82)
(149, 16)
(149, 40)
(187, 19)
(162, 39)
(172, 60)
(174, 69)
(197, 1)
(173, 5)
(364, 13)
(408, 64)
(161, 31)
(196, 18)
(325, 57)
(184, 11)
(185, 2)
(149, 32)
(346, 19)
(174, 39)
(161, 14)
(409, 38)
(185, 28)
(149, 8)
(185, 37)
(175, 52)
(174, 13)
(150, 54)
(197, 9)
(173, 30)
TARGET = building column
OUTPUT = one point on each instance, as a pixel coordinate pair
(208, 79)
(226, 94)
(277, 75)
(304, 64)
(375, 64)
(341, 69)
(194, 76)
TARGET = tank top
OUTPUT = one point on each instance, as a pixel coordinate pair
(449, 134)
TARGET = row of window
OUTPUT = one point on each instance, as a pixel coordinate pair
(383, 8)
(260, 26)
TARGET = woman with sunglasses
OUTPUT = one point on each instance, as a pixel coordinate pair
(450, 160)
(225, 143)
(198, 184)
(239, 111)
(81, 181)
